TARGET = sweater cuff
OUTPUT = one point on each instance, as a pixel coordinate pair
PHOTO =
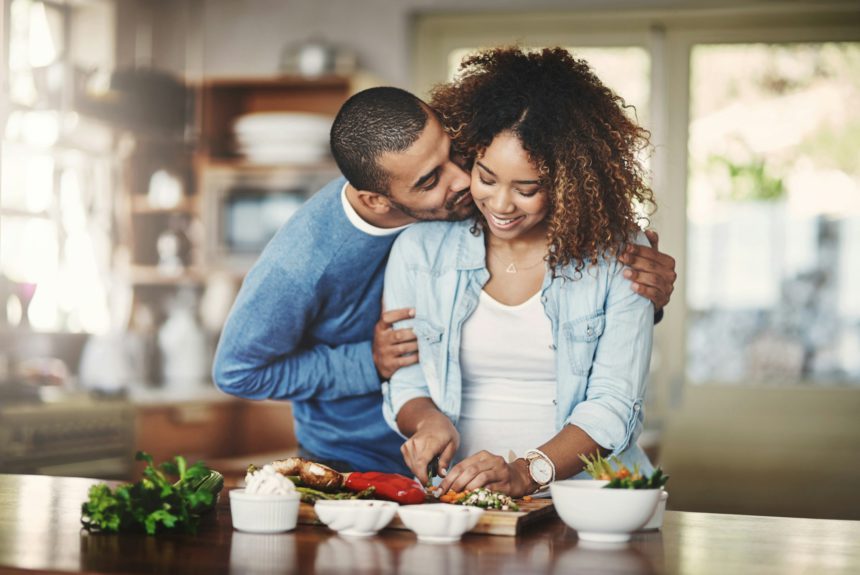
(371, 381)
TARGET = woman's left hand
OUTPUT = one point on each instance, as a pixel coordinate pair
(485, 469)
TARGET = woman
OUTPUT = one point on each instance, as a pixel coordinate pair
(531, 341)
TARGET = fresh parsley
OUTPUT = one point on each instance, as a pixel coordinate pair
(154, 504)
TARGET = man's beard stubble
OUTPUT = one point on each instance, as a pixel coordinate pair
(451, 212)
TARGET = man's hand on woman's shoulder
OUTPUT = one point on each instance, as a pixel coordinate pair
(651, 271)
(393, 348)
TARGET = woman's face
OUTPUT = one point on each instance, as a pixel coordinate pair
(506, 188)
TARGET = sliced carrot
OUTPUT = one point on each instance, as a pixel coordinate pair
(450, 497)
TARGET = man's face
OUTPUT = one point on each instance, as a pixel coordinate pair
(424, 183)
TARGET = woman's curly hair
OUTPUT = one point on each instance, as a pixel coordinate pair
(575, 131)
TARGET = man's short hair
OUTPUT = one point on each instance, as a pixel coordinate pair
(370, 123)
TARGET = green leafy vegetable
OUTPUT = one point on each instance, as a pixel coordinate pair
(310, 495)
(487, 499)
(154, 504)
(620, 476)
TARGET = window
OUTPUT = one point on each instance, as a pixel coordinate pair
(773, 214)
(762, 249)
(57, 169)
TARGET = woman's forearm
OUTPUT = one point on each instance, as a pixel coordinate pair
(417, 413)
(565, 448)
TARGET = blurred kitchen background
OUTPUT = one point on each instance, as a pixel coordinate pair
(150, 148)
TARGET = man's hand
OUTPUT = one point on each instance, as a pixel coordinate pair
(436, 435)
(485, 469)
(393, 348)
(653, 273)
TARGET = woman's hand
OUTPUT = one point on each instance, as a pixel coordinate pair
(651, 271)
(485, 469)
(435, 435)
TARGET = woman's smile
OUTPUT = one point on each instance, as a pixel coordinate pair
(507, 189)
(504, 223)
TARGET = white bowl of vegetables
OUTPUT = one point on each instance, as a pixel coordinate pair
(611, 509)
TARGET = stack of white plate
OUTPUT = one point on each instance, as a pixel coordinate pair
(283, 137)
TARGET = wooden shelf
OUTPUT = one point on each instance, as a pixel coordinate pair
(242, 165)
(140, 205)
(222, 101)
(154, 276)
(290, 81)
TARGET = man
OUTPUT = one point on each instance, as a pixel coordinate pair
(304, 325)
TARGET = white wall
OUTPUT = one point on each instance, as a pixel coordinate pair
(246, 37)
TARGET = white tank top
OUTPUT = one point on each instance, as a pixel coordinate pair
(509, 378)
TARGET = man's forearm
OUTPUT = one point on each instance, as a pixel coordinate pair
(322, 372)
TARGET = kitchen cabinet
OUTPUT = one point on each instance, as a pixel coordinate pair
(251, 179)
(221, 101)
(213, 429)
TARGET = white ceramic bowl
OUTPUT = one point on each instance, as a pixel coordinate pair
(603, 515)
(354, 517)
(656, 521)
(439, 522)
(256, 513)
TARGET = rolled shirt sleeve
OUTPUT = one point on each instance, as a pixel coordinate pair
(611, 413)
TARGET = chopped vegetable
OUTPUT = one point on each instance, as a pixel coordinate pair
(451, 497)
(311, 496)
(315, 475)
(154, 504)
(621, 478)
(481, 497)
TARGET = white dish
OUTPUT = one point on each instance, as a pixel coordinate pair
(256, 513)
(294, 123)
(656, 521)
(439, 522)
(603, 515)
(355, 518)
(284, 154)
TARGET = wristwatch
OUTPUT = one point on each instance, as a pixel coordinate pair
(541, 467)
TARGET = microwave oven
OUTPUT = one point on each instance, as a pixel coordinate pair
(244, 206)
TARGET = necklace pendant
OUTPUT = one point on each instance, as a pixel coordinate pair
(511, 269)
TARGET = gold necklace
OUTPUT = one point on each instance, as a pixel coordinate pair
(512, 267)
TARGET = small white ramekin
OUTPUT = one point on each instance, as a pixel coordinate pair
(257, 513)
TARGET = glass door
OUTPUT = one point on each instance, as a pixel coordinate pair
(773, 215)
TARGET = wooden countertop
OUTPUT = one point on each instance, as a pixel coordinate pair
(40, 532)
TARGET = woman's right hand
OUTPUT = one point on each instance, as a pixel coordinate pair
(435, 435)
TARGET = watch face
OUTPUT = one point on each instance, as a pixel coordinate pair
(540, 470)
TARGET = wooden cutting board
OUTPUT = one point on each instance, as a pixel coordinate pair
(508, 523)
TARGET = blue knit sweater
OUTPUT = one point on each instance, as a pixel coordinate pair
(302, 327)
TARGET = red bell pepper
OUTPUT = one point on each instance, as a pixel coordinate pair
(390, 486)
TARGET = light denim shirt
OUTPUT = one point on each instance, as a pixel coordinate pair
(601, 330)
